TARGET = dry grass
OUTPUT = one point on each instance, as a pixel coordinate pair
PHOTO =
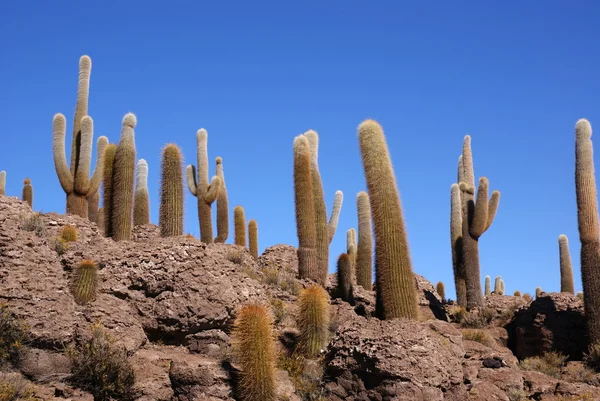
(14, 388)
(479, 336)
(33, 222)
(13, 336)
(550, 363)
(306, 375)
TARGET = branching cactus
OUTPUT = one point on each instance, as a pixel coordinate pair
(123, 181)
(253, 238)
(313, 320)
(171, 192)
(589, 235)
(488, 286)
(27, 195)
(93, 203)
(76, 182)
(344, 277)
(2, 183)
(141, 197)
(397, 295)
(305, 211)
(222, 206)
(200, 187)
(107, 188)
(456, 243)
(239, 221)
(477, 216)
(566, 267)
(364, 249)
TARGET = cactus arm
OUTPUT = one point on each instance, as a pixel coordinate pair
(82, 168)
(335, 214)
(191, 179)
(213, 190)
(81, 108)
(467, 163)
(202, 156)
(96, 179)
(460, 175)
(58, 150)
(480, 214)
(492, 208)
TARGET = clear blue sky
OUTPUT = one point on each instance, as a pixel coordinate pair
(514, 76)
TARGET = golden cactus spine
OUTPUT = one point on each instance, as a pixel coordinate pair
(27, 195)
(93, 202)
(253, 238)
(313, 320)
(239, 221)
(456, 223)
(123, 181)
(141, 197)
(171, 192)
(394, 276)
(364, 248)
(589, 235)
(2, 183)
(305, 211)
(344, 277)
(84, 283)
(566, 267)
(107, 187)
(222, 206)
(488, 285)
(200, 187)
(253, 344)
(440, 289)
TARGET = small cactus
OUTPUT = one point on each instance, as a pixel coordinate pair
(334, 219)
(351, 251)
(254, 349)
(344, 277)
(171, 192)
(27, 195)
(364, 246)
(497, 285)
(517, 293)
(141, 197)
(69, 233)
(239, 221)
(441, 290)
(253, 238)
(84, 282)
(93, 202)
(488, 285)
(2, 183)
(313, 320)
(501, 287)
(222, 206)
(566, 267)
(527, 297)
(107, 187)
(538, 292)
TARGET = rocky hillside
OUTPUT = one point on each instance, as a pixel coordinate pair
(170, 304)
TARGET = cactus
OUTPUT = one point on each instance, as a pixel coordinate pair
(93, 202)
(497, 285)
(253, 346)
(501, 287)
(527, 297)
(27, 194)
(488, 285)
(305, 211)
(395, 281)
(589, 235)
(2, 183)
(76, 182)
(456, 222)
(107, 187)
(123, 181)
(239, 222)
(222, 206)
(100, 220)
(334, 219)
(439, 287)
(364, 249)
(171, 192)
(69, 233)
(253, 238)
(538, 292)
(84, 282)
(580, 295)
(351, 251)
(566, 267)
(517, 293)
(344, 277)
(201, 189)
(313, 320)
(477, 217)
(141, 197)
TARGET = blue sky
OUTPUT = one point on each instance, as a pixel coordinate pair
(514, 76)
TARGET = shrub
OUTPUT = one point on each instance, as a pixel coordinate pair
(102, 368)
(14, 388)
(579, 372)
(478, 319)
(305, 374)
(235, 256)
(60, 245)
(33, 222)
(550, 363)
(479, 336)
(457, 313)
(69, 233)
(13, 335)
(592, 357)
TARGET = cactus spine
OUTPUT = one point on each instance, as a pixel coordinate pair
(239, 221)
(364, 249)
(477, 216)
(305, 211)
(456, 243)
(141, 197)
(254, 348)
(397, 295)
(123, 181)
(171, 192)
(566, 267)
(2, 183)
(222, 206)
(488, 285)
(93, 203)
(344, 277)
(107, 187)
(589, 235)
(201, 189)
(253, 238)
(313, 320)
(439, 288)
(84, 282)
(27, 194)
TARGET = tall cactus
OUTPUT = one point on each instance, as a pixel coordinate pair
(351, 251)
(239, 220)
(589, 235)
(456, 222)
(477, 216)
(107, 188)
(93, 202)
(2, 183)
(171, 192)
(566, 267)
(27, 194)
(364, 248)
(76, 182)
(253, 238)
(344, 277)
(141, 197)
(100, 220)
(305, 211)
(200, 187)
(397, 295)
(222, 205)
(488, 285)
(497, 285)
(123, 181)
(334, 219)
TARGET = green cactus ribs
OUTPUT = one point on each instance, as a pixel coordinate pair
(171, 194)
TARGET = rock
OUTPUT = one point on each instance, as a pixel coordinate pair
(214, 343)
(44, 366)
(279, 257)
(151, 367)
(196, 377)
